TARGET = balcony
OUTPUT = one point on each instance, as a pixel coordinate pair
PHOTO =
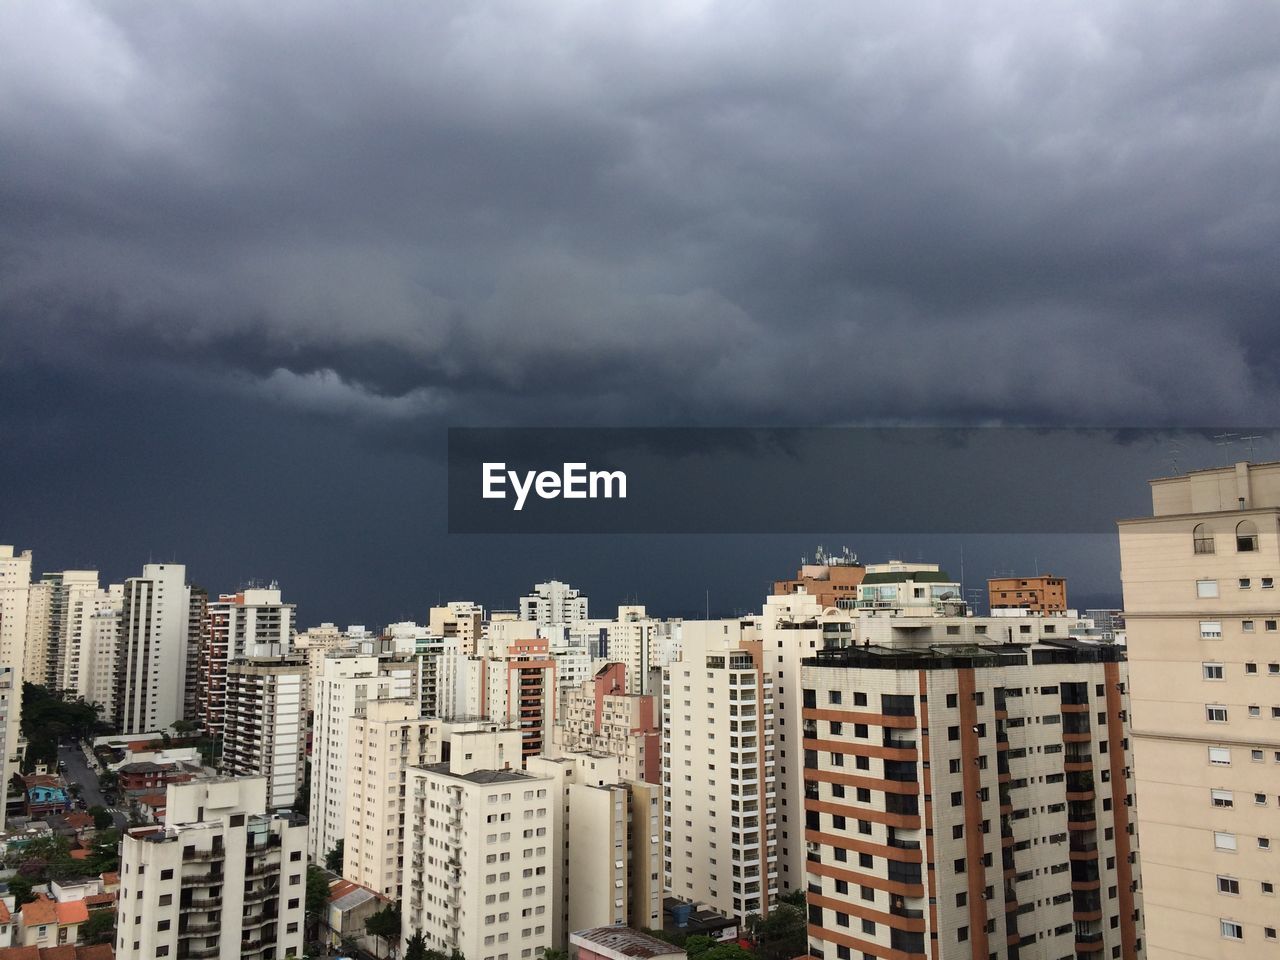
(205, 856)
(199, 929)
(202, 879)
(198, 953)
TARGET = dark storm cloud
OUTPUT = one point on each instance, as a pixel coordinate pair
(670, 212)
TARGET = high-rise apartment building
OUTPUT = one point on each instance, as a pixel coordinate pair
(482, 872)
(264, 725)
(389, 738)
(461, 619)
(151, 658)
(220, 880)
(15, 598)
(599, 716)
(612, 837)
(64, 622)
(720, 788)
(350, 679)
(254, 622)
(98, 673)
(553, 603)
(969, 801)
(1201, 615)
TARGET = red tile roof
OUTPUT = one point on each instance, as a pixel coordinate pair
(72, 911)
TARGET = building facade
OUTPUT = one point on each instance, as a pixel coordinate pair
(264, 725)
(1201, 616)
(969, 801)
(151, 658)
(220, 880)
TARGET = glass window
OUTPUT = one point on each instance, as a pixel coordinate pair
(1210, 629)
(1206, 588)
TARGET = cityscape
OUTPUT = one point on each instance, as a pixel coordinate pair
(639, 480)
(867, 767)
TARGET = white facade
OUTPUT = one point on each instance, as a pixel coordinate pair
(348, 681)
(252, 623)
(481, 872)
(264, 726)
(720, 788)
(15, 590)
(151, 662)
(104, 641)
(220, 880)
(553, 602)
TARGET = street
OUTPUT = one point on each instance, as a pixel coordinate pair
(78, 771)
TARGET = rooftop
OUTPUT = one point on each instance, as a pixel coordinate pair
(479, 776)
(624, 940)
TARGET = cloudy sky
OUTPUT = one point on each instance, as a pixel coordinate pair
(253, 258)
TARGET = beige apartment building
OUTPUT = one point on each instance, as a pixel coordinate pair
(350, 680)
(600, 716)
(383, 744)
(969, 801)
(482, 868)
(15, 600)
(612, 870)
(220, 880)
(720, 790)
(1201, 613)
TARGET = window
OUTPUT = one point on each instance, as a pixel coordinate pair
(1264, 843)
(1260, 799)
(1224, 841)
(1255, 710)
(1215, 713)
(1210, 630)
(1268, 887)
(1246, 537)
(833, 696)
(1222, 798)
(1250, 669)
(1268, 583)
(1246, 626)
(1231, 930)
(1220, 756)
(1212, 671)
(1201, 539)
(1206, 589)
(1245, 583)
(1229, 885)
(1255, 756)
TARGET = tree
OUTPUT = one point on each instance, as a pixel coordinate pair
(553, 953)
(184, 727)
(101, 819)
(105, 857)
(101, 927)
(730, 951)
(415, 947)
(302, 802)
(697, 945)
(20, 887)
(333, 859)
(794, 897)
(385, 924)
(317, 890)
(783, 934)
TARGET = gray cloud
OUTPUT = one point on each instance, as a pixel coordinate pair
(664, 212)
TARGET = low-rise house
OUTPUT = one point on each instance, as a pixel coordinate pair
(97, 951)
(149, 777)
(349, 905)
(620, 943)
(44, 794)
(46, 923)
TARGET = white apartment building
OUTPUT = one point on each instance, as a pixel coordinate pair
(104, 642)
(720, 788)
(1202, 615)
(598, 716)
(312, 645)
(481, 871)
(553, 603)
(60, 618)
(264, 725)
(350, 679)
(151, 661)
(254, 622)
(35, 658)
(91, 621)
(220, 880)
(15, 598)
